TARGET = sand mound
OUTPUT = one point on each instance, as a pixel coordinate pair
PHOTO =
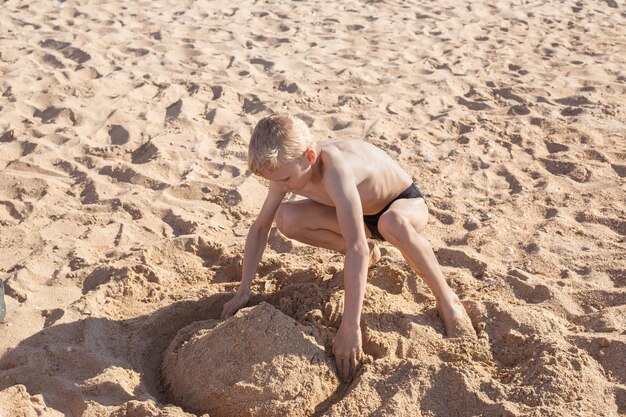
(16, 402)
(259, 363)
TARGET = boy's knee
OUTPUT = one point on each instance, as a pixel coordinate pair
(394, 227)
(286, 220)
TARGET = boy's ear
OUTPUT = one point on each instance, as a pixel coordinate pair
(310, 155)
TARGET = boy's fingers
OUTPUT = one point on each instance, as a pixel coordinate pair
(339, 363)
(346, 369)
(353, 365)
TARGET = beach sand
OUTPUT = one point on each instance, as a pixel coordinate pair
(125, 198)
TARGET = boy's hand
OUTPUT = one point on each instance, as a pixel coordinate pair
(240, 299)
(347, 350)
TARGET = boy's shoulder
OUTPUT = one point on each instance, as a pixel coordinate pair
(353, 153)
(349, 148)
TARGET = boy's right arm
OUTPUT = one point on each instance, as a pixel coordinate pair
(253, 250)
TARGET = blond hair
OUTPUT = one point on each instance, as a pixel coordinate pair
(277, 140)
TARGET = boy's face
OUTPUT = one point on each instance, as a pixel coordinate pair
(294, 175)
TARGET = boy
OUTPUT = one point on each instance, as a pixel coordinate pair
(354, 191)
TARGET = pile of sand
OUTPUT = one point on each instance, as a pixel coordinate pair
(259, 363)
(125, 202)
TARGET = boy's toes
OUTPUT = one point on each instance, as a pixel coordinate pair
(460, 327)
(455, 318)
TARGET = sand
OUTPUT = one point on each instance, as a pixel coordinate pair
(210, 368)
(125, 200)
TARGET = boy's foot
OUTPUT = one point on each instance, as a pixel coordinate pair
(456, 320)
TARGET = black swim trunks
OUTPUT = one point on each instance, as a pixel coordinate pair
(372, 220)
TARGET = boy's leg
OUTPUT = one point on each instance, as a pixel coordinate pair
(401, 225)
(312, 223)
(315, 224)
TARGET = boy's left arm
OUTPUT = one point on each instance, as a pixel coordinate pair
(341, 187)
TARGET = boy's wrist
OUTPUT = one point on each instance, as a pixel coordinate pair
(244, 289)
(351, 323)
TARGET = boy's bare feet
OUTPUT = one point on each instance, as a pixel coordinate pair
(455, 318)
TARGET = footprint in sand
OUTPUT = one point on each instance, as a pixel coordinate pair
(473, 105)
(28, 147)
(216, 170)
(340, 125)
(459, 259)
(604, 321)
(517, 69)
(528, 287)
(137, 51)
(571, 111)
(52, 61)
(573, 101)
(145, 153)
(252, 104)
(217, 91)
(619, 169)
(17, 210)
(574, 105)
(210, 116)
(514, 184)
(594, 300)
(264, 63)
(577, 172)
(518, 111)
(442, 215)
(288, 87)
(554, 147)
(129, 175)
(617, 225)
(507, 94)
(118, 135)
(179, 225)
(77, 55)
(551, 213)
(211, 253)
(8, 136)
(173, 111)
(52, 114)
(89, 193)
